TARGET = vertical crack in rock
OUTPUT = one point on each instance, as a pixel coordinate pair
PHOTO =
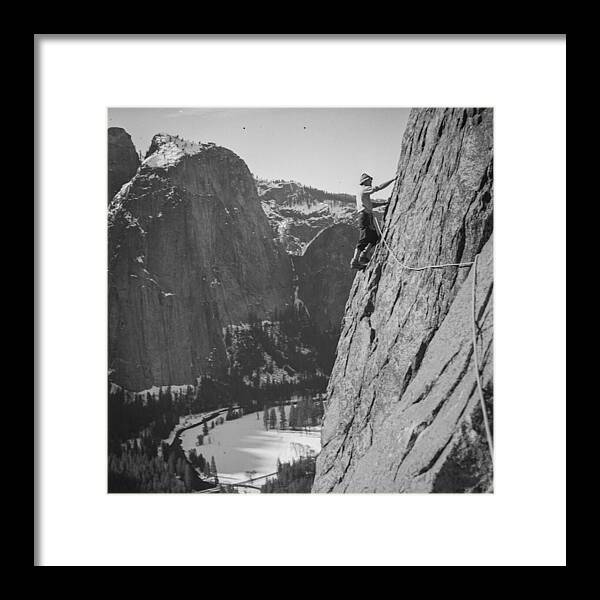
(426, 391)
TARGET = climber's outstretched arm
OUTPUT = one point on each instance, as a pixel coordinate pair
(376, 188)
(381, 186)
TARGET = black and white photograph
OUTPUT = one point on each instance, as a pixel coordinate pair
(300, 300)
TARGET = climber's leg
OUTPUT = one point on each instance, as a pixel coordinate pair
(371, 237)
(374, 232)
(363, 241)
(354, 263)
(365, 255)
(357, 262)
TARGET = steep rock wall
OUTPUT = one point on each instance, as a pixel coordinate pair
(323, 274)
(123, 160)
(190, 251)
(403, 413)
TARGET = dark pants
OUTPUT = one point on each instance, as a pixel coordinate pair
(368, 233)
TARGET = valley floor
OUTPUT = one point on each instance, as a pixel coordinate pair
(244, 450)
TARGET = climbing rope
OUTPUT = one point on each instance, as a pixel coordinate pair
(405, 266)
(472, 263)
(488, 431)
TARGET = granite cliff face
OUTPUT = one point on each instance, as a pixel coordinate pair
(403, 413)
(123, 160)
(323, 275)
(190, 252)
(297, 213)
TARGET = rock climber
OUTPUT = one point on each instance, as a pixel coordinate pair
(368, 233)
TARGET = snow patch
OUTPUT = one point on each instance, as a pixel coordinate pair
(298, 303)
(242, 448)
(171, 149)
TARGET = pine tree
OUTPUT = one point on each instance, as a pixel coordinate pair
(213, 469)
(188, 477)
(202, 463)
(172, 462)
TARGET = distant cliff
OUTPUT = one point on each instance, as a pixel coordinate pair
(190, 252)
(403, 413)
(323, 274)
(297, 212)
(123, 160)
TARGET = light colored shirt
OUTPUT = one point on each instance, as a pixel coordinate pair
(363, 197)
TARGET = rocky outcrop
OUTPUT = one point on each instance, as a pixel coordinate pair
(190, 252)
(297, 212)
(123, 160)
(323, 274)
(403, 413)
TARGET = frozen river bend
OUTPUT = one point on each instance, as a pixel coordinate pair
(243, 446)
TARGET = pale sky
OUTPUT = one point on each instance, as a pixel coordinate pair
(327, 148)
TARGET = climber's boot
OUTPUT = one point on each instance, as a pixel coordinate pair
(355, 263)
(365, 256)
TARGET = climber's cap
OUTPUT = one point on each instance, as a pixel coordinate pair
(365, 178)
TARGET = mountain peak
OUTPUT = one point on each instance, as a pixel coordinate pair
(167, 149)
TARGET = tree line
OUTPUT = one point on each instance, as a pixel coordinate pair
(303, 414)
(292, 340)
(148, 466)
(294, 477)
